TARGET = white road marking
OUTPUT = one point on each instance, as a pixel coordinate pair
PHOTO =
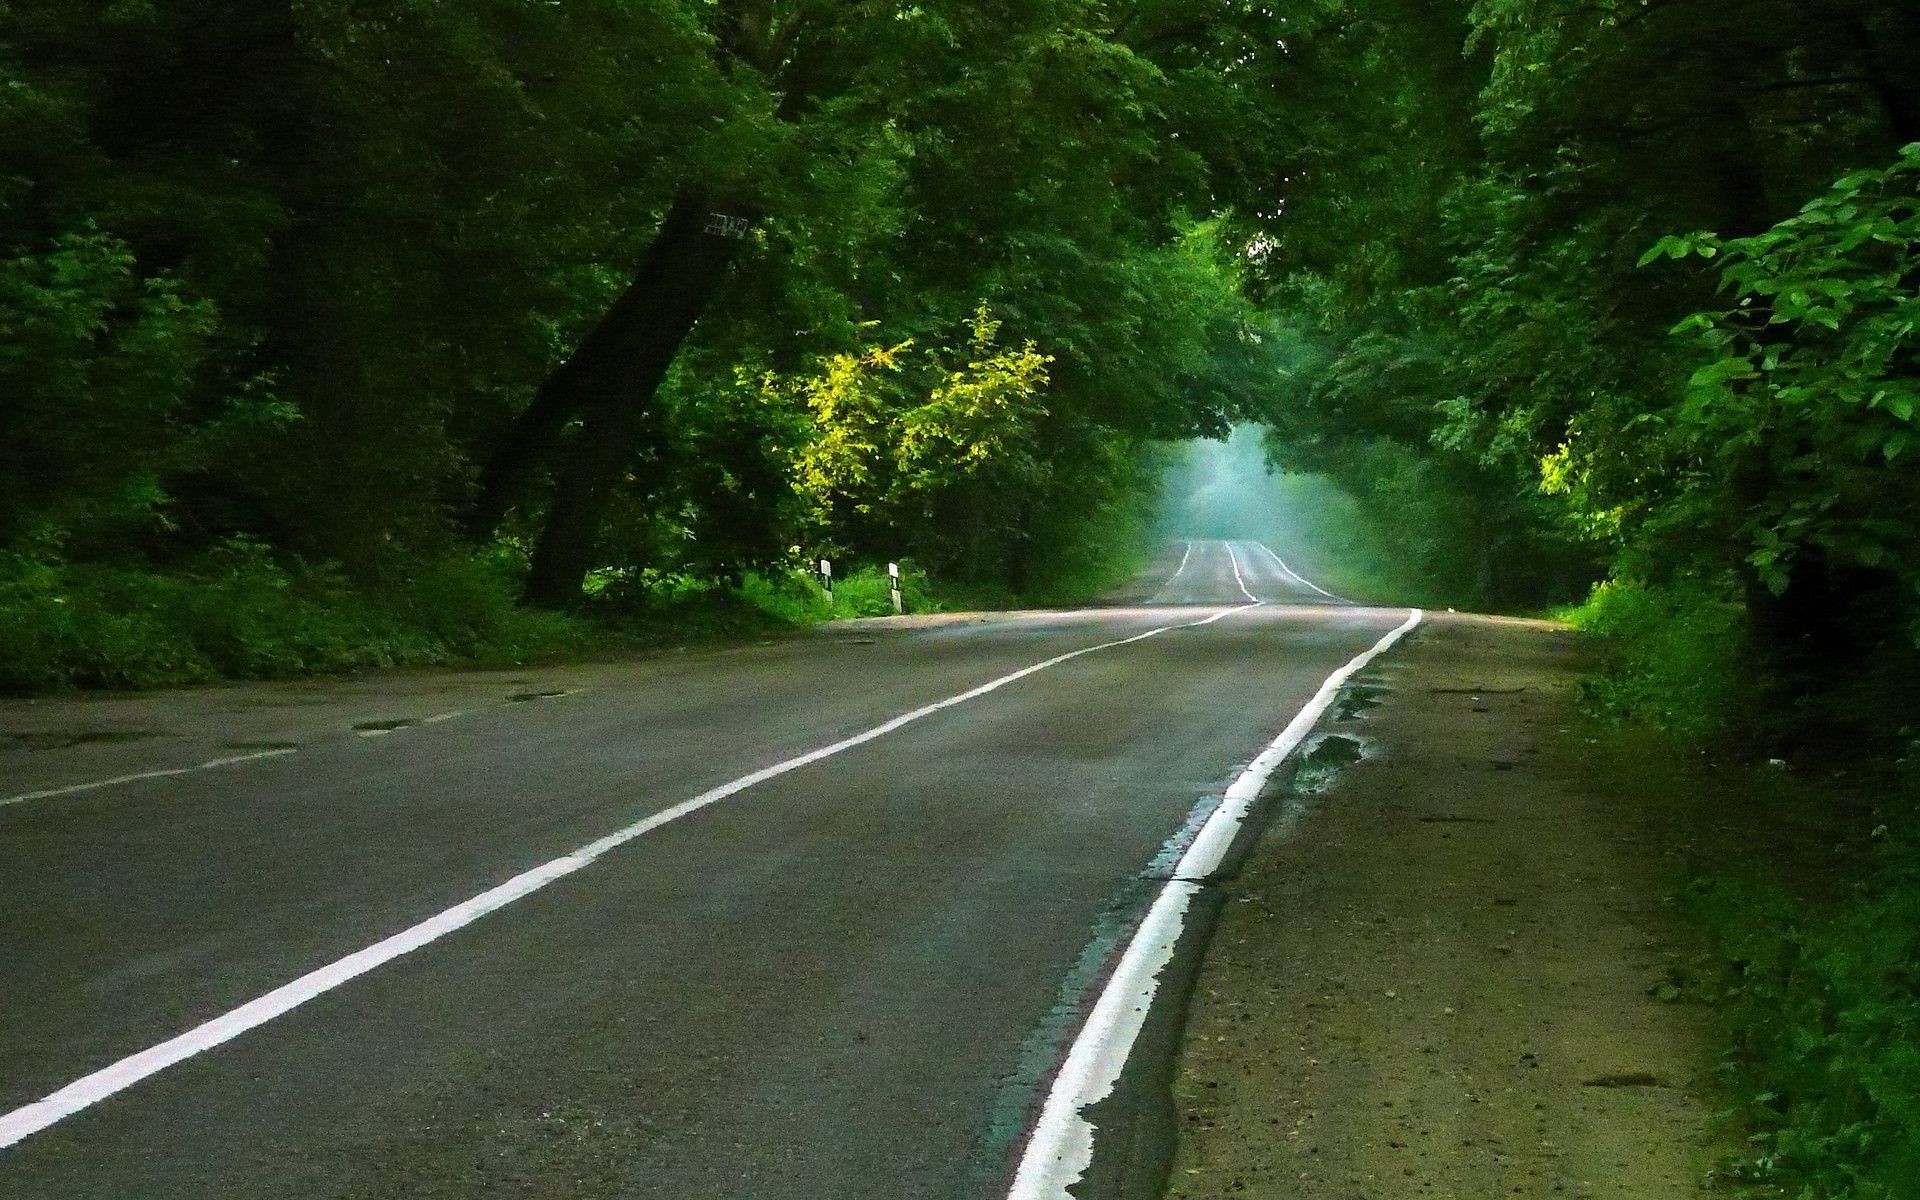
(165, 773)
(1060, 1149)
(1299, 578)
(170, 772)
(25, 1121)
(1235, 560)
(1171, 579)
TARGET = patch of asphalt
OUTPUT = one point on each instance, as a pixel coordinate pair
(1137, 1127)
(821, 983)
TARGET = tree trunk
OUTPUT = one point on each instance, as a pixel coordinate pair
(1745, 208)
(610, 383)
(597, 372)
(533, 435)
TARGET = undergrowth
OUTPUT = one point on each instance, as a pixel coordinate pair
(797, 597)
(1816, 977)
(239, 612)
(1821, 1000)
(1674, 658)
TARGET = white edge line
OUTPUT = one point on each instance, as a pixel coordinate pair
(1302, 578)
(1060, 1149)
(1177, 572)
(236, 759)
(82, 1093)
(165, 773)
(170, 772)
(1235, 560)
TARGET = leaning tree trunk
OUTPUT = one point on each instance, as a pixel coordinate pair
(684, 268)
(677, 277)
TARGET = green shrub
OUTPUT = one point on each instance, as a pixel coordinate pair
(1823, 1008)
(238, 612)
(468, 606)
(796, 598)
(1674, 657)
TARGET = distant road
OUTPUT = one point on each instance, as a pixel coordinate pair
(815, 918)
(1215, 572)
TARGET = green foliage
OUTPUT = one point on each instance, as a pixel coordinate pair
(1675, 658)
(1823, 1003)
(906, 446)
(237, 612)
(1471, 281)
(794, 595)
(1811, 381)
(285, 274)
(97, 365)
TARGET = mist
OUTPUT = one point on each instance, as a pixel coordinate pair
(1224, 489)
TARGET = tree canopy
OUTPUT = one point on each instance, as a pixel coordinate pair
(1585, 270)
(614, 290)
(293, 272)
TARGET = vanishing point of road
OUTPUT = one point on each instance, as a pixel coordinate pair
(815, 918)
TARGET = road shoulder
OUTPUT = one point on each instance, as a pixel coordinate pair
(1439, 976)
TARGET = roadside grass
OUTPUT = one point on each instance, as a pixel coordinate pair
(1675, 658)
(1820, 996)
(1804, 879)
(239, 612)
(797, 598)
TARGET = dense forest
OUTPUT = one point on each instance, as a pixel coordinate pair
(381, 313)
(386, 315)
(1623, 288)
(337, 333)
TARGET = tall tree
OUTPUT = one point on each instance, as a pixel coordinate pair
(1035, 133)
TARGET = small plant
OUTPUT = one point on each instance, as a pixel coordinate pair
(1823, 1007)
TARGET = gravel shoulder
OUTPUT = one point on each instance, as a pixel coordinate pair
(1438, 977)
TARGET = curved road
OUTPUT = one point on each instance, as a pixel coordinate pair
(1215, 572)
(850, 975)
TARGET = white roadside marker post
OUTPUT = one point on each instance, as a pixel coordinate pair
(893, 587)
(826, 579)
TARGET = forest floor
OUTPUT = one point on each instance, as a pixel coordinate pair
(1442, 975)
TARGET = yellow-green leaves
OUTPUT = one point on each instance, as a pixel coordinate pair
(895, 431)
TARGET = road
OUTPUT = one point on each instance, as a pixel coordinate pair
(852, 974)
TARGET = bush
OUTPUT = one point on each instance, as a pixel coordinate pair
(239, 613)
(796, 598)
(1824, 1014)
(1675, 657)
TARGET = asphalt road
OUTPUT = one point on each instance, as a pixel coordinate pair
(850, 979)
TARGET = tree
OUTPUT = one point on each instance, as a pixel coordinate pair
(1031, 129)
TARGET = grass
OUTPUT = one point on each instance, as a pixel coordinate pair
(1674, 659)
(241, 613)
(238, 613)
(1821, 1002)
(797, 598)
(1808, 893)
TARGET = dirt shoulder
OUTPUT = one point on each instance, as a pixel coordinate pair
(1438, 977)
